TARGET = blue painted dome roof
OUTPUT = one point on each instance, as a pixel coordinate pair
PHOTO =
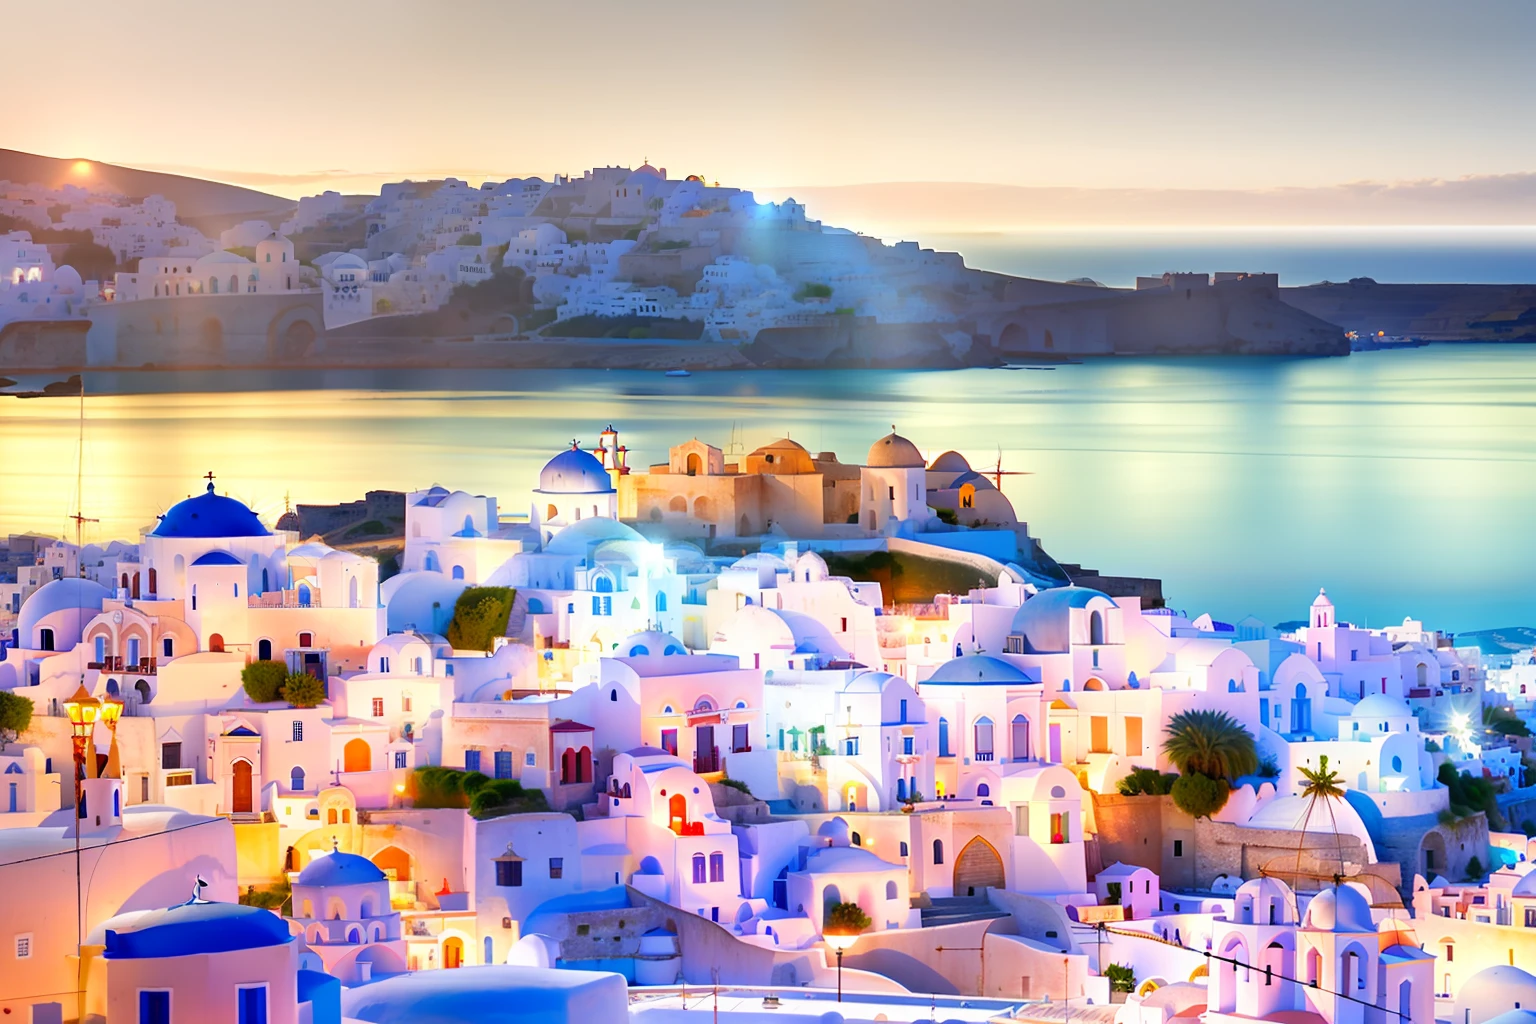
(218, 558)
(574, 471)
(1045, 620)
(197, 928)
(340, 869)
(210, 515)
(971, 669)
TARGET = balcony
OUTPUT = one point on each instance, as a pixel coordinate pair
(706, 761)
(144, 667)
(984, 755)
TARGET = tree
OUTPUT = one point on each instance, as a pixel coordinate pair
(263, 680)
(1122, 977)
(1146, 782)
(1200, 796)
(91, 261)
(479, 616)
(1320, 783)
(1474, 869)
(844, 919)
(303, 690)
(470, 238)
(15, 716)
(1211, 743)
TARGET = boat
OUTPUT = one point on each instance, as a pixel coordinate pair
(678, 373)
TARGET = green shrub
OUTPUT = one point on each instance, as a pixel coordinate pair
(1469, 795)
(303, 690)
(844, 919)
(1474, 870)
(1199, 796)
(15, 716)
(498, 797)
(263, 680)
(1269, 768)
(1122, 977)
(737, 785)
(470, 238)
(813, 291)
(479, 616)
(1146, 782)
(1431, 746)
(946, 515)
(433, 786)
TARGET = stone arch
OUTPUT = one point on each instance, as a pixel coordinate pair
(357, 756)
(1433, 858)
(678, 504)
(978, 867)
(394, 862)
(292, 334)
(1012, 338)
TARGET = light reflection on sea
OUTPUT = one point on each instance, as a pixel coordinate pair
(1403, 481)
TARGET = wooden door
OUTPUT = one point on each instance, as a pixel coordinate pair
(453, 952)
(241, 802)
(1100, 736)
(977, 867)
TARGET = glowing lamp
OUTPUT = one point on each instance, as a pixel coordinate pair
(841, 941)
(83, 711)
(111, 711)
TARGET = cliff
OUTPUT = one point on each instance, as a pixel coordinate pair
(1433, 312)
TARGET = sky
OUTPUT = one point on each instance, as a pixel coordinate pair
(1183, 94)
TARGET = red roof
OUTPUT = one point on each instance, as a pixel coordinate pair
(570, 727)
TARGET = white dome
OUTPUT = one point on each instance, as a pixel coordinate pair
(950, 462)
(66, 279)
(1494, 991)
(1378, 706)
(220, 256)
(651, 641)
(576, 538)
(1290, 812)
(1339, 909)
(1526, 886)
(755, 628)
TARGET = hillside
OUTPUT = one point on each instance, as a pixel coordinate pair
(203, 204)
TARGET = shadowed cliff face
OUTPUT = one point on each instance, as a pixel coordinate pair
(1226, 319)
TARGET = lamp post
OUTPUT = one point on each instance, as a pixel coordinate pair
(840, 943)
(83, 711)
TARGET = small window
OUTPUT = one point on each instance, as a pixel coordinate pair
(24, 946)
(170, 755)
(471, 760)
(529, 759)
(253, 1005)
(168, 647)
(557, 867)
(1178, 847)
(903, 849)
(509, 874)
(399, 759)
(298, 730)
(378, 707)
(154, 1007)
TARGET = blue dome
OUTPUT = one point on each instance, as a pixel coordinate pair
(574, 471)
(973, 669)
(197, 928)
(1045, 620)
(210, 515)
(340, 869)
(218, 558)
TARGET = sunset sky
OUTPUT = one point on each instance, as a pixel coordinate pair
(293, 97)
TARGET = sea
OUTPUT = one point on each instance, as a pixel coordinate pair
(1403, 481)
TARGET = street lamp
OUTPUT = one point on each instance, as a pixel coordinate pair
(84, 711)
(840, 943)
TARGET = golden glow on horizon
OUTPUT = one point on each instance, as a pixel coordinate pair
(82, 168)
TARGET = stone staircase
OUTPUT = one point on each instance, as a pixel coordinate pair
(957, 909)
(518, 620)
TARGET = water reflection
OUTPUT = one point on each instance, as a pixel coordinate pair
(1401, 480)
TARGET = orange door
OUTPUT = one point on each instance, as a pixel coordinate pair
(241, 803)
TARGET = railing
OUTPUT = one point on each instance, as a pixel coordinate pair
(706, 761)
(144, 667)
(983, 755)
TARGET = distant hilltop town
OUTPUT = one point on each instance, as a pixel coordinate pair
(618, 266)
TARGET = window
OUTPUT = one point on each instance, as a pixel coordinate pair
(399, 759)
(557, 867)
(529, 759)
(471, 760)
(155, 1008)
(405, 703)
(906, 744)
(296, 780)
(903, 848)
(253, 1005)
(378, 707)
(717, 867)
(298, 731)
(24, 945)
(503, 764)
(1178, 847)
(170, 755)
(903, 710)
(307, 640)
(45, 638)
(890, 890)
(383, 664)
(739, 738)
(698, 869)
(944, 737)
(669, 741)
(851, 746)
(938, 851)
(509, 874)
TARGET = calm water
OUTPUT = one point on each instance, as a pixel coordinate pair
(1403, 481)
(1456, 255)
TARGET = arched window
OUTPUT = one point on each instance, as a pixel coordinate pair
(306, 640)
(458, 572)
(890, 890)
(698, 869)
(264, 650)
(296, 780)
(943, 737)
(1020, 738)
(101, 649)
(938, 851)
(661, 601)
(117, 803)
(982, 789)
(1096, 628)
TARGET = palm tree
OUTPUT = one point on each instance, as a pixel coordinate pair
(1322, 783)
(1210, 743)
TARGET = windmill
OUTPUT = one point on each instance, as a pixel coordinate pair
(999, 472)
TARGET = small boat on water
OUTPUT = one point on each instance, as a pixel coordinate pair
(678, 373)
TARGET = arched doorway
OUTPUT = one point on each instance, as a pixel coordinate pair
(394, 862)
(356, 756)
(694, 465)
(216, 643)
(240, 797)
(453, 952)
(677, 813)
(1432, 858)
(977, 867)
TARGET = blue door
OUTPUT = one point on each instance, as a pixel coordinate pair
(13, 798)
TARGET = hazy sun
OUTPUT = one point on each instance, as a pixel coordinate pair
(82, 167)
